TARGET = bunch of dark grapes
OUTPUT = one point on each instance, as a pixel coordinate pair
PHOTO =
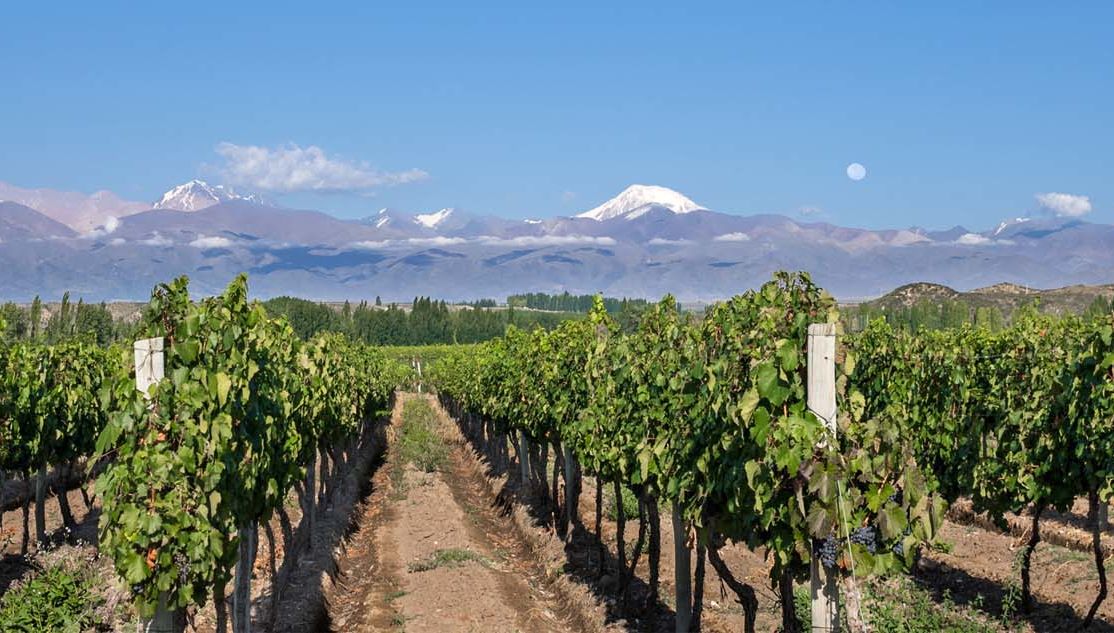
(899, 547)
(896, 497)
(866, 536)
(827, 550)
(183, 565)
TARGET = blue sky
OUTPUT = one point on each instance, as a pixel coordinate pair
(961, 112)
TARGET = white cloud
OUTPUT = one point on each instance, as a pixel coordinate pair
(1065, 204)
(204, 241)
(436, 241)
(292, 168)
(732, 237)
(370, 244)
(660, 241)
(489, 240)
(110, 225)
(548, 240)
(972, 239)
(568, 196)
(156, 240)
(413, 241)
(809, 211)
(117, 241)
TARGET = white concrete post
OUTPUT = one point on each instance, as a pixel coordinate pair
(166, 620)
(149, 369)
(822, 402)
(149, 362)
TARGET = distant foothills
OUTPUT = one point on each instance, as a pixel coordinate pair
(645, 242)
(426, 321)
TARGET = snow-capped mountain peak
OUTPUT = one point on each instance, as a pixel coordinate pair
(196, 195)
(636, 200)
(1008, 223)
(391, 218)
(432, 220)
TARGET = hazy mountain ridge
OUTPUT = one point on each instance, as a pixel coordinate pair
(20, 222)
(652, 241)
(81, 212)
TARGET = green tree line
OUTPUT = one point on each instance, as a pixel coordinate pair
(566, 302)
(428, 322)
(932, 314)
(91, 322)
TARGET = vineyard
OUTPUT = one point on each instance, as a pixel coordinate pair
(712, 419)
(187, 467)
(759, 430)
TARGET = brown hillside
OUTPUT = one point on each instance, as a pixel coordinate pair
(1007, 297)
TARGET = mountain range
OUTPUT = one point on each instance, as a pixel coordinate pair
(645, 242)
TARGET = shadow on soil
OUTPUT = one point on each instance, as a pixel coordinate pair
(582, 549)
(297, 587)
(582, 554)
(943, 581)
(13, 567)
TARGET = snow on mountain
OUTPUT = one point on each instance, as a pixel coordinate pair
(382, 218)
(1008, 223)
(636, 200)
(196, 195)
(433, 220)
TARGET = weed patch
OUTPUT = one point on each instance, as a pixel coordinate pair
(630, 505)
(55, 600)
(454, 557)
(418, 440)
(898, 605)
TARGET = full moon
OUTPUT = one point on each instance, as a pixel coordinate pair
(855, 171)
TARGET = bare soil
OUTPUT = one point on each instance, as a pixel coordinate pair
(389, 577)
(981, 568)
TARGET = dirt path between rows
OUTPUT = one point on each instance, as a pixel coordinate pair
(433, 554)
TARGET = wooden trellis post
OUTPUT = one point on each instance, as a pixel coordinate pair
(822, 402)
(241, 599)
(524, 460)
(682, 573)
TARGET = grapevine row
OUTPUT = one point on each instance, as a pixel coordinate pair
(245, 412)
(1020, 420)
(711, 418)
(50, 415)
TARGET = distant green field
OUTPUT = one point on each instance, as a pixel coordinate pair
(427, 353)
